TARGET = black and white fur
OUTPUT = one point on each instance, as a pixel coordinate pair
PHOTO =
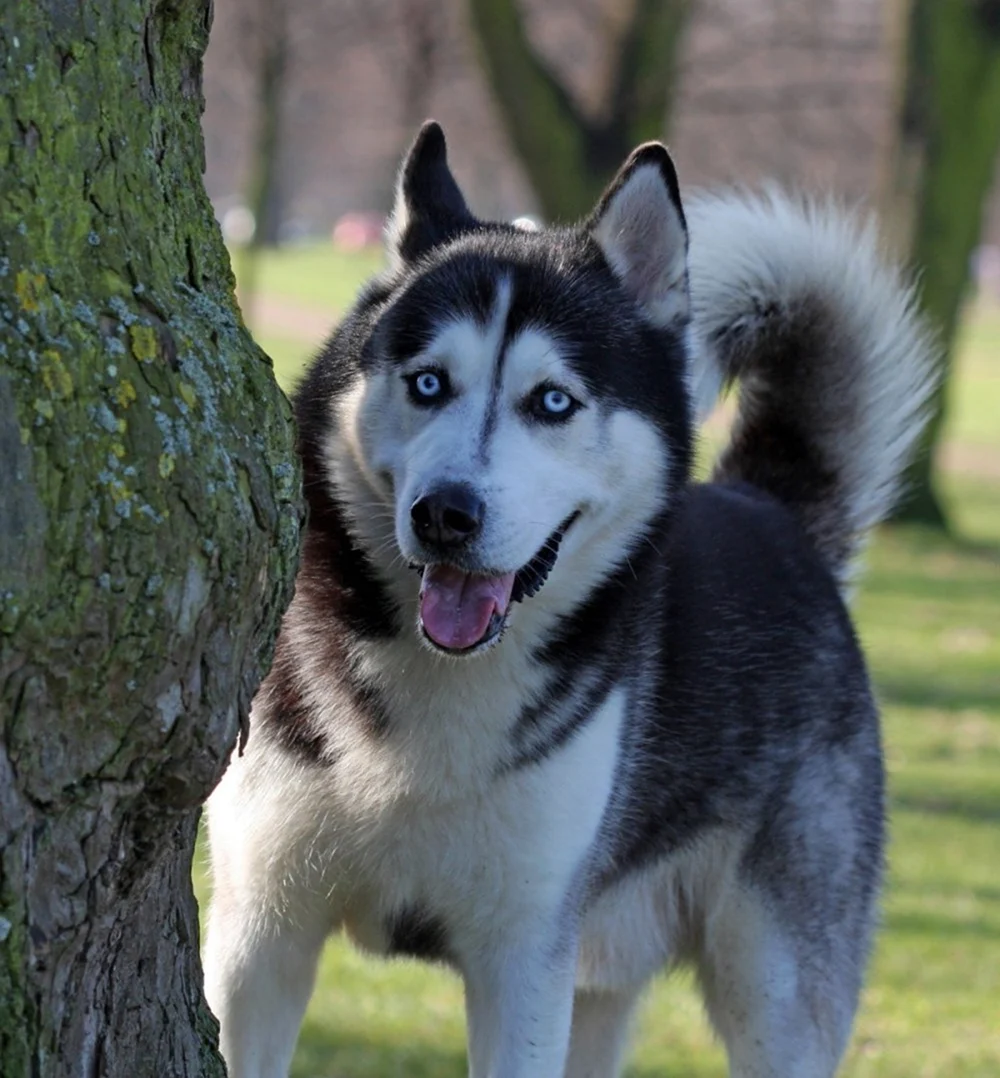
(669, 752)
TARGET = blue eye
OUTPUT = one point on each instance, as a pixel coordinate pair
(556, 402)
(427, 384)
(551, 404)
(427, 387)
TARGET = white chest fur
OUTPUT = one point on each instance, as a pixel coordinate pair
(365, 840)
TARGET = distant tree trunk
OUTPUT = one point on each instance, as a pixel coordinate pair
(941, 172)
(568, 155)
(272, 62)
(270, 37)
(149, 517)
(422, 26)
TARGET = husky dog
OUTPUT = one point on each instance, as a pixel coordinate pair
(543, 708)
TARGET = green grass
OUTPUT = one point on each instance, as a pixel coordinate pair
(289, 356)
(975, 393)
(310, 273)
(929, 615)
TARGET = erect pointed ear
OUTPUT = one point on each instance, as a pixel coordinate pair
(429, 206)
(639, 225)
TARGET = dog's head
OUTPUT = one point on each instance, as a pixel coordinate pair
(511, 410)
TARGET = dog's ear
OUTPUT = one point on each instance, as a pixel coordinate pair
(639, 225)
(429, 207)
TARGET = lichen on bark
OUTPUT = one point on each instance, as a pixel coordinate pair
(149, 520)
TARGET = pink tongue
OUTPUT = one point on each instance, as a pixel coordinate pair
(456, 607)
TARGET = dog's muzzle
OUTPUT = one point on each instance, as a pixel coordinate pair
(462, 612)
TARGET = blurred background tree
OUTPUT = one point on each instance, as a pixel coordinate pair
(940, 174)
(567, 151)
(265, 28)
(268, 30)
(271, 36)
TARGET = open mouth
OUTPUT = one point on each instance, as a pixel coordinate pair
(462, 612)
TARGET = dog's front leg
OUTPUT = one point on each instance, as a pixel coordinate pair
(519, 1007)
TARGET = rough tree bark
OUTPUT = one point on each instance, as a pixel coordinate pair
(940, 175)
(568, 155)
(149, 517)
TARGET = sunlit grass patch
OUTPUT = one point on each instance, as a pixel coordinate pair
(315, 274)
(289, 356)
(975, 391)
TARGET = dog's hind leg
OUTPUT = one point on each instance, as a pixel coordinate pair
(601, 1023)
(782, 1009)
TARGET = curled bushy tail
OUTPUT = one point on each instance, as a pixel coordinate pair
(835, 366)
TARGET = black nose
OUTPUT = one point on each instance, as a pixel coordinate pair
(448, 517)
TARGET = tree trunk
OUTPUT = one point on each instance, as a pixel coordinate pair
(149, 517)
(272, 43)
(570, 156)
(270, 40)
(941, 173)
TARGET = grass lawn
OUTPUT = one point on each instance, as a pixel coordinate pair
(929, 614)
(310, 273)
